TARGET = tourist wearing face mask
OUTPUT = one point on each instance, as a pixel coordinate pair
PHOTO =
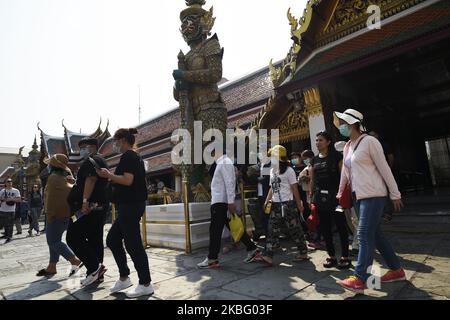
(285, 208)
(130, 196)
(371, 181)
(85, 235)
(325, 176)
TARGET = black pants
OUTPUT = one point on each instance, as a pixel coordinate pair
(127, 229)
(218, 221)
(7, 222)
(327, 215)
(85, 238)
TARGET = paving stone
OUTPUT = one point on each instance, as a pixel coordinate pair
(187, 286)
(275, 283)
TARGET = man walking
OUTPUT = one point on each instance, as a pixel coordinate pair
(223, 193)
(85, 235)
(9, 198)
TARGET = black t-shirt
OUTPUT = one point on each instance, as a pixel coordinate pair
(35, 200)
(326, 172)
(87, 169)
(131, 162)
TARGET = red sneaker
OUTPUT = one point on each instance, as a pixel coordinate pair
(394, 276)
(353, 283)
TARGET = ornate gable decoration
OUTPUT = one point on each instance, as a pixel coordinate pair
(350, 16)
(289, 64)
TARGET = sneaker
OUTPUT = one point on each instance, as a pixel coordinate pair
(331, 263)
(209, 264)
(140, 291)
(74, 269)
(38, 234)
(8, 240)
(121, 285)
(91, 278)
(18, 233)
(251, 255)
(353, 283)
(394, 276)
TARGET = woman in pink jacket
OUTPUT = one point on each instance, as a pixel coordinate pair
(370, 179)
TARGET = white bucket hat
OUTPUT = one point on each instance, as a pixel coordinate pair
(350, 116)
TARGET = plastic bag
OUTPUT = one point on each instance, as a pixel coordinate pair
(236, 227)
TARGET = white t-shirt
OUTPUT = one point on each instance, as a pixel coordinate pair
(281, 184)
(11, 193)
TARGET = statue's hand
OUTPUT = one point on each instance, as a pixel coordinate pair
(178, 74)
(181, 85)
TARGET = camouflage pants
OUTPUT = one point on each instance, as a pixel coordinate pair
(290, 223)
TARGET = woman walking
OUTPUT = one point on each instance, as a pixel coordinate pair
(286, 201)
(58, 214)
(367, 173)
(325, 173)
(35, 205)
(130, 196)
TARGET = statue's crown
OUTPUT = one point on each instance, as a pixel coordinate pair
(195, 9)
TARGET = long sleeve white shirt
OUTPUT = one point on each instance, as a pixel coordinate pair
(223, 184)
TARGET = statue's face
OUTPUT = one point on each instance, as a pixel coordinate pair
(191, 29)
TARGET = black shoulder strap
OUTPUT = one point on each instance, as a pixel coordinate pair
(359, 142)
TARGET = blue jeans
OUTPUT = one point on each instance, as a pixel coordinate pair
(370, 213)
(54, 234)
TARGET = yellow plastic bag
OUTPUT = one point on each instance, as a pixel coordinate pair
(236, 227)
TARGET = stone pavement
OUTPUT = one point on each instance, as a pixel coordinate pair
(421, 237)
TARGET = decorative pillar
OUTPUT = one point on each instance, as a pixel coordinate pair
(314, 110)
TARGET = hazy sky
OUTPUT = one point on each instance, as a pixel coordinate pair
(80, 60)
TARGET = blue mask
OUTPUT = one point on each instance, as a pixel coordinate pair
(344, 130)
(84, 153)
(307, 162)
(294, 162)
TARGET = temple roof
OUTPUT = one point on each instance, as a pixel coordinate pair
(7, 173)
(392, 33)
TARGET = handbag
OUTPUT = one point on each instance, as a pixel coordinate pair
(346, 199)
(236, 227)
(313, 220)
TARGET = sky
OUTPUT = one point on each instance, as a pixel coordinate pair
(82, 60)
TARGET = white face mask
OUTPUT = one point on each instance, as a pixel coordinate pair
(116, 148)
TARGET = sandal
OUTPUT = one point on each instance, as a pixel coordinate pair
(265, 259)
(331, 263)
(45, 273)
(344, 264)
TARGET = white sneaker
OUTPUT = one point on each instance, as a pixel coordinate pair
(74, 269)
(140, 291)
(209, 264)
(121, 285)
(91, 278)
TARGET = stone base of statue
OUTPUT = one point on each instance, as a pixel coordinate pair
(166, 227)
